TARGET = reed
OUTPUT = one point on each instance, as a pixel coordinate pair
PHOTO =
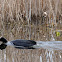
(30, 19)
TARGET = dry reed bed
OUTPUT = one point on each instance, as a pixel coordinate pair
(25, 19)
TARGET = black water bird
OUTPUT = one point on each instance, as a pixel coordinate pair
(19, 43)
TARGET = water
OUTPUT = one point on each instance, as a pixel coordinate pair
(19, 28)
(50, 45)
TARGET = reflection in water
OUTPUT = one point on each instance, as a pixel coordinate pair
(40, 58)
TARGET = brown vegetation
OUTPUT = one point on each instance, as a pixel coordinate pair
(30, 19)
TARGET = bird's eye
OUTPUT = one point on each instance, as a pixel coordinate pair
(0, 42)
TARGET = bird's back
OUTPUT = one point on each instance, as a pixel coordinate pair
(23, 43)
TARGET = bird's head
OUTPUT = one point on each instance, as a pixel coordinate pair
(3, 40)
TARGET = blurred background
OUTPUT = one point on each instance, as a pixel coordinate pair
(39, 20)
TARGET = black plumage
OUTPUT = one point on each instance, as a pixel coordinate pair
(3, 46)
(23, 44)
(19, 43)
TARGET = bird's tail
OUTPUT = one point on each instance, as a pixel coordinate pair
(3, 45)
